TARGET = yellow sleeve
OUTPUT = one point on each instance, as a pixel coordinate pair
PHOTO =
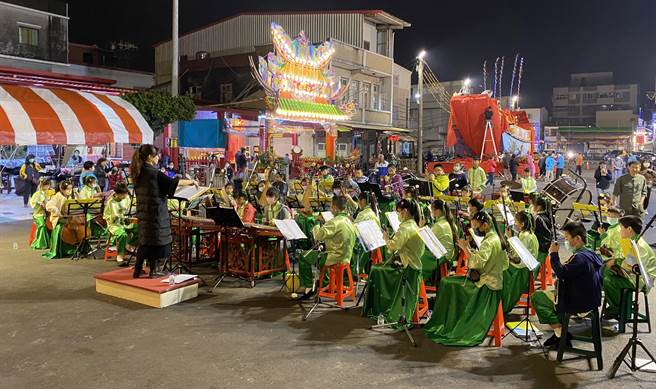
(324, 232)
(22, 172)
(480, 257)
(398, 240)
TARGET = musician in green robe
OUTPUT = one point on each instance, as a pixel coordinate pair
(338, 235)
(116, 215)
(516, 277)
(89, 190)
(445, 231)
(476, 176)
(367, 210)
(56, 206)
(386, 289)
(326, 180)
(617, 273)
(38, 204)
(274, 208)
(465, 307)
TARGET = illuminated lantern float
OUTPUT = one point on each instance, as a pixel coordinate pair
(301, 88)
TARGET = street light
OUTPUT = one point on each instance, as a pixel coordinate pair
(420, 127)
(515, 99)
(467, 81)
(421, 54)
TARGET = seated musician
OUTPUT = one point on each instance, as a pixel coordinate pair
(56, 207)
(350, 185)
(359, 176)
(341, 189)
(384, 293)
(326, 180)
(529, 185)
(393, 183)
(274, 209)
(281, 185)
(465, 307)
(245, 210)
(579, 283)
(38, 204)
(412, 194)
(530, 205)
(440, 181)
(367, 210)
(87, 170)
(473, 207)
(543, 228)
(457, 179)
(610, 236)
(227, 199)
(617, 273)
(516, 277)
(90, 188)
(476, 176)
(338, 234)
(445, 231)
(122, 232)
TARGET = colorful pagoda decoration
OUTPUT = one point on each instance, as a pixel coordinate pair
(300, 86)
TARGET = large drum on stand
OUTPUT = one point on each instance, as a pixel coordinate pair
(563, 193)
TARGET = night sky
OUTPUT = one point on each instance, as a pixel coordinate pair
(556, 38)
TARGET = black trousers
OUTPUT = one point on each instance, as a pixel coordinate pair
(28, 191)
(151, 254)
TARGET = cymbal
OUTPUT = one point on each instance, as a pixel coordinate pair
(511, 184)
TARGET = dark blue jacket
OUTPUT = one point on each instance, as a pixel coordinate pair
(580, 281)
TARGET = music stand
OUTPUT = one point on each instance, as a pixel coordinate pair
(369, 187)
(291, 232)
(84, 208)
(179, 265)
(424, 187)
(132, 212)
(228, 218)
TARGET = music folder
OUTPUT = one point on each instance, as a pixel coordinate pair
(524, 255)
(507, 214)
(477, 239)
(370, 235)
(432, 243)
(327, 215)
(289, 229)
(226, 217)
(633, 258)
(393, 219)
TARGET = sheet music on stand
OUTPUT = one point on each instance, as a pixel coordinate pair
(393, 219)
(506, 214)
(327, 215)
(477, 239)
(289, 229)
(633, 258)
(190, 192)
(432, 243)
(370, 235)
(524, 255)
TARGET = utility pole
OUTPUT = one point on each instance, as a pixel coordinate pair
(174, 51)
(420, 129)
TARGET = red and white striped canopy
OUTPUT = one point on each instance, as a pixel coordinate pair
(35, 116)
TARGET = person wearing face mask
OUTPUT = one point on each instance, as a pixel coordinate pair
(274, 209)
(579, 283)
(338, 234)
(29, 174)
(38, 203)
(631, 191)
(123, 232)
(476, 176)
(87, 170)
(465, 309)
(543, 228)
(440, 181)
(610, 239)
(515, 278)
(170, 170)
(326, 180)
(457, 179)
(101, 173)
(56, 206)
(393, 183)
(90, 188)
(618, 272)
(244, 209)
(152, 188)
(367, 210)
(114, 177)
(445, 231)
(384, 293)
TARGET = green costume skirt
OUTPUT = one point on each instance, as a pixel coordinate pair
(305, 262)
(515, 282)
(306, 224)
(40, 241)
(58, 249)
(545, 307)
(463, 314)
(593, 241)
(613, 285)
(384, 292)
(125, 235)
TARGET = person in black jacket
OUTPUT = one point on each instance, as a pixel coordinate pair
(512, 165)
(152, 189)
(580, 281)
(603, 177)
(543, 228)
(100, 171)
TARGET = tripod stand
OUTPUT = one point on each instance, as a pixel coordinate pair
(402, 321)
(84, 248)
(634, 342)
(529, 326)
(179, 266)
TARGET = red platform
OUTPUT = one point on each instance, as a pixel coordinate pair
(149, 291)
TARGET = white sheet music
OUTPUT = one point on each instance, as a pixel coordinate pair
(327, 215)
(432, 243)
(289, 229)
(508, 214)
(631, 260)
(189, 192)
(370, 235)
(477, 239)
(393, 219)
(524, 255)
(180, 278)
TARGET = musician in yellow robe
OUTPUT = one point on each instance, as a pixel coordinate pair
(386, 290)
(338, 234)
(326, 180)
(38, 204)
(274, 209)
(90, 188)
(116, 215)
(465, 307)
(516, 277)
(445, 231)
(440, 181)
(618, 274)
(55, 206)
(227, 199)
(367, 210)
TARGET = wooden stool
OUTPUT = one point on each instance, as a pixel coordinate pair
(626, 310)
(444, 272)
(461, 265)
(376, 257)
(421, 311)
(525, 296)
(109, 252)
(497, 330)
(595, 339)
(32, 233)
(335, 289)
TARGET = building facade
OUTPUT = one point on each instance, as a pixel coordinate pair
(215, 68)
(588, 93)
(538, 118)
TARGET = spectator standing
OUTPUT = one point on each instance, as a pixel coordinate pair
(549, 166)
(560, 165)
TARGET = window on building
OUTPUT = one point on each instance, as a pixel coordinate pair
(341, 150)
(354, 92)
(366, 45)
(382, 42)
(321, 149)
(342, 83)
(225, 93)
(366, 95)
(375, 96)
(87, 58)
(28, 35)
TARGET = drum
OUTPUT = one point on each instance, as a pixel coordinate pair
(560, 189)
